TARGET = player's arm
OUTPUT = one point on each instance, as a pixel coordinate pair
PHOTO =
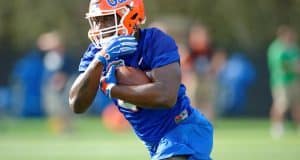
(161, 93)
(85, 87)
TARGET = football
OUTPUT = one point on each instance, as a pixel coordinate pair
(131, 76)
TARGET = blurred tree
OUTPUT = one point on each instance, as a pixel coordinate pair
(235, 24)
(247, 25)
(250, 23)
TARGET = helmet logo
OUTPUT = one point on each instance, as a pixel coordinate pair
(114, 3)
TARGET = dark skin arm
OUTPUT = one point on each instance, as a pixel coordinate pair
(85, 87)
(161, 93)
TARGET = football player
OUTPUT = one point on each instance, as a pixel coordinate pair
(161, 116)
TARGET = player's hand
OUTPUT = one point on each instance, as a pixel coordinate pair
(119, 46)
(88, 57)
(109, 81)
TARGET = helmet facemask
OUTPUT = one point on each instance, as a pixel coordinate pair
(107, 25)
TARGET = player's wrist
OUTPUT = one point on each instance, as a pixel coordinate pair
(102, 60)
(100, 56)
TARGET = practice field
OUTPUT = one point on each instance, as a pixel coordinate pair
(235, 139)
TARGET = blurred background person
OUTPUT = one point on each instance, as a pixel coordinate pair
(57, 80)
(188, 73)
(26, 84)
(233, 76)
(200, 48)
(283, 60)
(40, 82)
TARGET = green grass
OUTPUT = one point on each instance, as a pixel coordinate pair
(235, 139)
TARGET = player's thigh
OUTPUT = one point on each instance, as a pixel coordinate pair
(178, 158)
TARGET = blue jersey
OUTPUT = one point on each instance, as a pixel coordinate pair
(156, 49)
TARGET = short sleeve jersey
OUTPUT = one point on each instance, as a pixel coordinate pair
(280, 56)
(155, 49)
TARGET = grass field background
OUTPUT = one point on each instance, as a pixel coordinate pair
(235, 139)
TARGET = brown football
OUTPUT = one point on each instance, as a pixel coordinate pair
(131, 76)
